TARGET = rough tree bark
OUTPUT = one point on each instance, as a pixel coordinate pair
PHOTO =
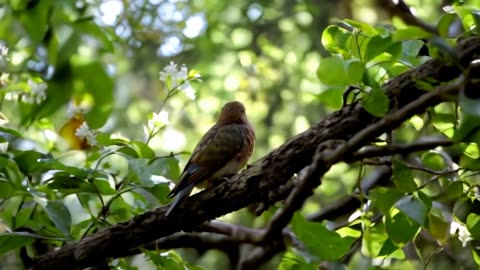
(261, 182)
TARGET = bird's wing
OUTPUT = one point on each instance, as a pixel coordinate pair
(217, 147)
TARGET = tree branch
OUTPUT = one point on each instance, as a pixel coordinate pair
(395, 149)
(262, 180)
(325, 159)
(402, 10)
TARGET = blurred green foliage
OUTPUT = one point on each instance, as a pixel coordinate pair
(288, 61)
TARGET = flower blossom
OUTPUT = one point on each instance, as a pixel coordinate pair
(178, 78)
(158, 120)
(84, 132)
(37, 92)
(463, 234)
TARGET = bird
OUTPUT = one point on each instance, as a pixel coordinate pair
(222, 151)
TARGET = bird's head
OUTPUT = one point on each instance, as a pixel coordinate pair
(232, 112)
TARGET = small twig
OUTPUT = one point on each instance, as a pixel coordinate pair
(430, 171)
(394, 149)
(400, 9)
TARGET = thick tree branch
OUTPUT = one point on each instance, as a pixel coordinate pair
(259, 182)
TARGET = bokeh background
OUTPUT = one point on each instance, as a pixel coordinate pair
(107, 55)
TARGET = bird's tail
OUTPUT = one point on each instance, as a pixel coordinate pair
(181, 196)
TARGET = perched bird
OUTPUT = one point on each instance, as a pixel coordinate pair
(222, 151)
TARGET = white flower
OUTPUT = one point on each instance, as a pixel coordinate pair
(84, 132)
(158, 120)
(75, 110)
(463, 233)
(168, 71)
(178, 78)
(38, 89)
(37, 92)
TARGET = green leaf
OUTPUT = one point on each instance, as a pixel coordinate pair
(332, 97)
(413, 208)
(434, 161)
(99, 85)
(445, 23)
(358, 45)
(375, 243)
(123, 264)
(138, 173)
(28, 161)
(395, 50)
(425, 199)
(335, 71)
(364, 27)
(35, 20)
(67, 184)
(454, 190)
(388, 248)
(7, 189)
(326, 245)
(476, 255)
(11, 170)
(10, 133)
(467, 15)
(336, 40)
(473, 225)
(400, 229)
(376, 102)
(160, 191)
(165, 166)
(61, 85)
(376, 46)
(444, 123)
(402, 177)
(164, 262)
(104, 187)
(438, 228)
(122, 210)
(410, 33)
(384, 198)
(354, 71)
(397, 69)
(60, 216)
(9, 242)
(292, 261)
(143, 150)
(332, 71)
(142, 170)
(469, 128)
